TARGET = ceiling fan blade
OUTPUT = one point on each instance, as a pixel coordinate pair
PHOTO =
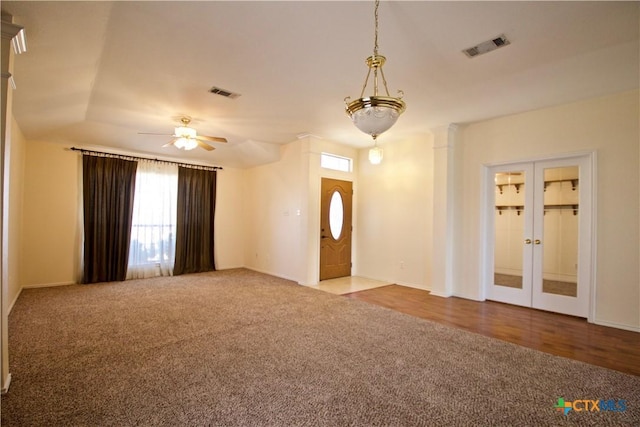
(205, 146)
(173, 141)
(211, 138)
(151, 133)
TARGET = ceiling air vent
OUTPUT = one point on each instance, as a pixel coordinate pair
(223, 92)
(487, 46)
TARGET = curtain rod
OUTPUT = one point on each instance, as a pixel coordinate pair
(128, 157)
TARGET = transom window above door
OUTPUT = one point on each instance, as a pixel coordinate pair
(337, 163)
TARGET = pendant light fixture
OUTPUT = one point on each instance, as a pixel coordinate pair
(375, 154)
(375, 114)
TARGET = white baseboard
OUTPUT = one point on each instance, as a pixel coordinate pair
(441, 294)
(308, 284)
(229, 267)
(270, 273)
(14, 300)
(617, 325)
(48, 285)
(468, 297)
(414, 286)
(5, 386)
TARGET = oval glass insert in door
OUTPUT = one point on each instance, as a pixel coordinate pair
(336, 215)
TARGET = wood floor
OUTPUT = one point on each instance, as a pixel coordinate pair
(553, 333)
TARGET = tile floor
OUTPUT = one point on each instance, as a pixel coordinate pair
(346, 285)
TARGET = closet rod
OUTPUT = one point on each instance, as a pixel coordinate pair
(128, 157)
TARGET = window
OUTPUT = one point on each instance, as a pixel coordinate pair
(153, 231)
(336, 215)
(338, 163)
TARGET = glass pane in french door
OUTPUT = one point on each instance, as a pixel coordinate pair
(509, 228)
(560, 231)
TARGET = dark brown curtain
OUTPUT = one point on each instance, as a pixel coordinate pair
(194, 228)
(108, 188)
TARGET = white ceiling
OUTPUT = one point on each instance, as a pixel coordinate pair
(97, 73)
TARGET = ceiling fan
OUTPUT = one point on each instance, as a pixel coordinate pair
(185, 137)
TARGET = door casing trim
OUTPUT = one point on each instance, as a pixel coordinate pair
(487, 243)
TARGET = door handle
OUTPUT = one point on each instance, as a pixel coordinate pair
(537, 241)
(527, 241)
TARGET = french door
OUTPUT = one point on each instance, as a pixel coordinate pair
(540, 230)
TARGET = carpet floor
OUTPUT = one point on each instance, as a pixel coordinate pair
(240, 348)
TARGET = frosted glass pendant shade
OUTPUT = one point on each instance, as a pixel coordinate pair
(376, 114)
(375, 155)
(186, 143)
(374, 120)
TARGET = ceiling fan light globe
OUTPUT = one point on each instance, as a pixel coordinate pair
(185, 132)
(190, 144)
(180, 142)
(185, 143)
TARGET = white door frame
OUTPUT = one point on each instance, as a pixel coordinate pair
(588, 203)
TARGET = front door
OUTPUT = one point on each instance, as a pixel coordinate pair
(542, 234)
(335, 228)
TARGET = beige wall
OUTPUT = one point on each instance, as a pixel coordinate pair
(395, 213)
(609, 126)
(271, 221)
(51, 229)
(229, 225)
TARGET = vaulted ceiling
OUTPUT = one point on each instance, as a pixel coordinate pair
(98, 73)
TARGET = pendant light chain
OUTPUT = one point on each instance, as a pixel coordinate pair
(375, 14)
(375, 53)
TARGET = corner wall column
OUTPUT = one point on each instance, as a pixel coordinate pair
(444, 146)
(310, 217)
(9, 31)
